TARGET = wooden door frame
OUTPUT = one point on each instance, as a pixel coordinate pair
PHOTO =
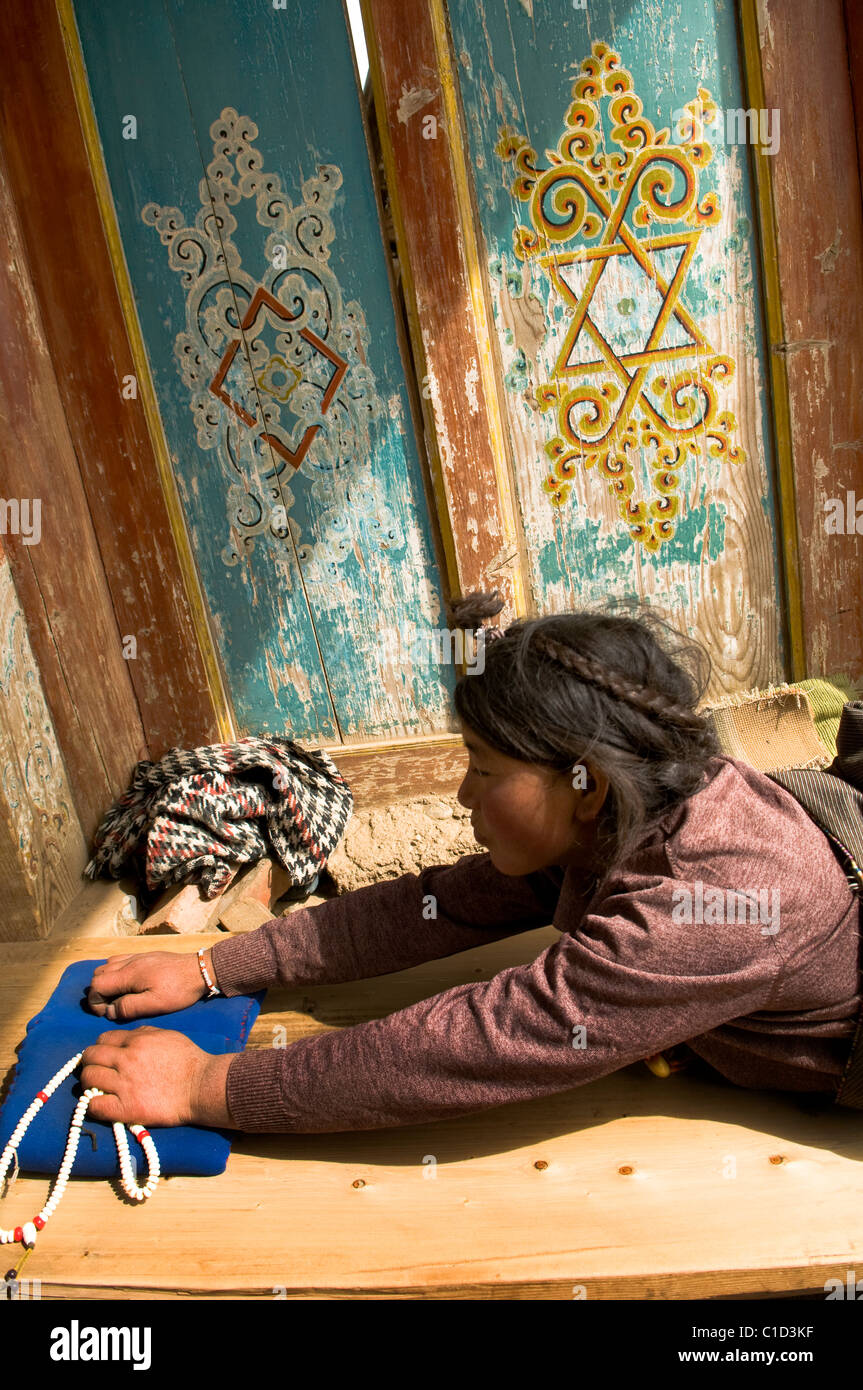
(854, 32)
(122, 527)
(796, 59)
(419, 121)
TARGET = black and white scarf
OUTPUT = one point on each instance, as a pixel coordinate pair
(206, 810)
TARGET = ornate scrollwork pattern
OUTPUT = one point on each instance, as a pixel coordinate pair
(276, 369)
(613, 405)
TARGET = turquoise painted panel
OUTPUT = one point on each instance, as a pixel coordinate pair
(615, 198)
(235, 150)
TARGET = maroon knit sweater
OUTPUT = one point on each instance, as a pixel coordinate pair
(628, 977)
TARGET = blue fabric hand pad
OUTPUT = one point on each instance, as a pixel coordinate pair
(66, 1026)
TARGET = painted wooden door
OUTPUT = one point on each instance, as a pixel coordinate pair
(239, 173)
(610, 152)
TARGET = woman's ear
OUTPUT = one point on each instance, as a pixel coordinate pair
(591, 784)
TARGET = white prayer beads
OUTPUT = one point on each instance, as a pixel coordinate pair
(27, 1233)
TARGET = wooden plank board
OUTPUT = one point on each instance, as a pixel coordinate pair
(430, 198)
(853, 17)
(288, 419)
(80, 662)
(607, 324)
(101, 452)
(382, 773)
(629, 1187)
(806, 53)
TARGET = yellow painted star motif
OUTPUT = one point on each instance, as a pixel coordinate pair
(621, 404)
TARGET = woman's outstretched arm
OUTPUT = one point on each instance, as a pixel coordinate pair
(387, 926)
(626, 983)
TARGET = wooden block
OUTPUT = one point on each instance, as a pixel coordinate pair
(182, 909)
(263, 883)
(281, 882)
(101, 907)
(246, 915)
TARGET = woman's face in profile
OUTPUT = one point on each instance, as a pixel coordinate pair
(528, 817)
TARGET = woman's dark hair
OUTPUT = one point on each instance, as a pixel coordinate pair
(617, 688)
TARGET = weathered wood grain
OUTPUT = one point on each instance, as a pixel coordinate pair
(66, 255)
(42, 849)
(60, 580)
(383, 772)
(853, 16)
(819, 229)
(444, 293)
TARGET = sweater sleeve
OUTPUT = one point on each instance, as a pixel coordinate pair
(387, 926)
(625, 983)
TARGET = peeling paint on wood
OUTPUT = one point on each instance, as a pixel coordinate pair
(413, 101)
(96, 452)
(85, 678)
(811, 63)
(430, 196)
(700, 538)
(270, 328)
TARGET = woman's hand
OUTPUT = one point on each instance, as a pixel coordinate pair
(156, 982)
(155, 1076)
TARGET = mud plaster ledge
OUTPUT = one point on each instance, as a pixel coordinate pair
(400, 837)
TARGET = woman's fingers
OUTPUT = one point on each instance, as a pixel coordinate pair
(103, 1078)
(101, 1006)
(105, 1052)
(113, 995)
(110, 983)
(112, 964)
(106, 1110)
(127, 988)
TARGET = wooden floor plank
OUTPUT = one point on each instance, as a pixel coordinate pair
(632, 1202)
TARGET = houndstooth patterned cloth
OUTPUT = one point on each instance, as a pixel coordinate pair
(206, 810)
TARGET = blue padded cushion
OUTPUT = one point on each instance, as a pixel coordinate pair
(66, 1026)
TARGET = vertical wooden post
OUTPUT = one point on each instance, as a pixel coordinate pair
(854, 32)
(424, 159)
(816, 294)
(109, 441)
(58, 572)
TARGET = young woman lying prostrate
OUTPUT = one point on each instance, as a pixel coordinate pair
(604, 805)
